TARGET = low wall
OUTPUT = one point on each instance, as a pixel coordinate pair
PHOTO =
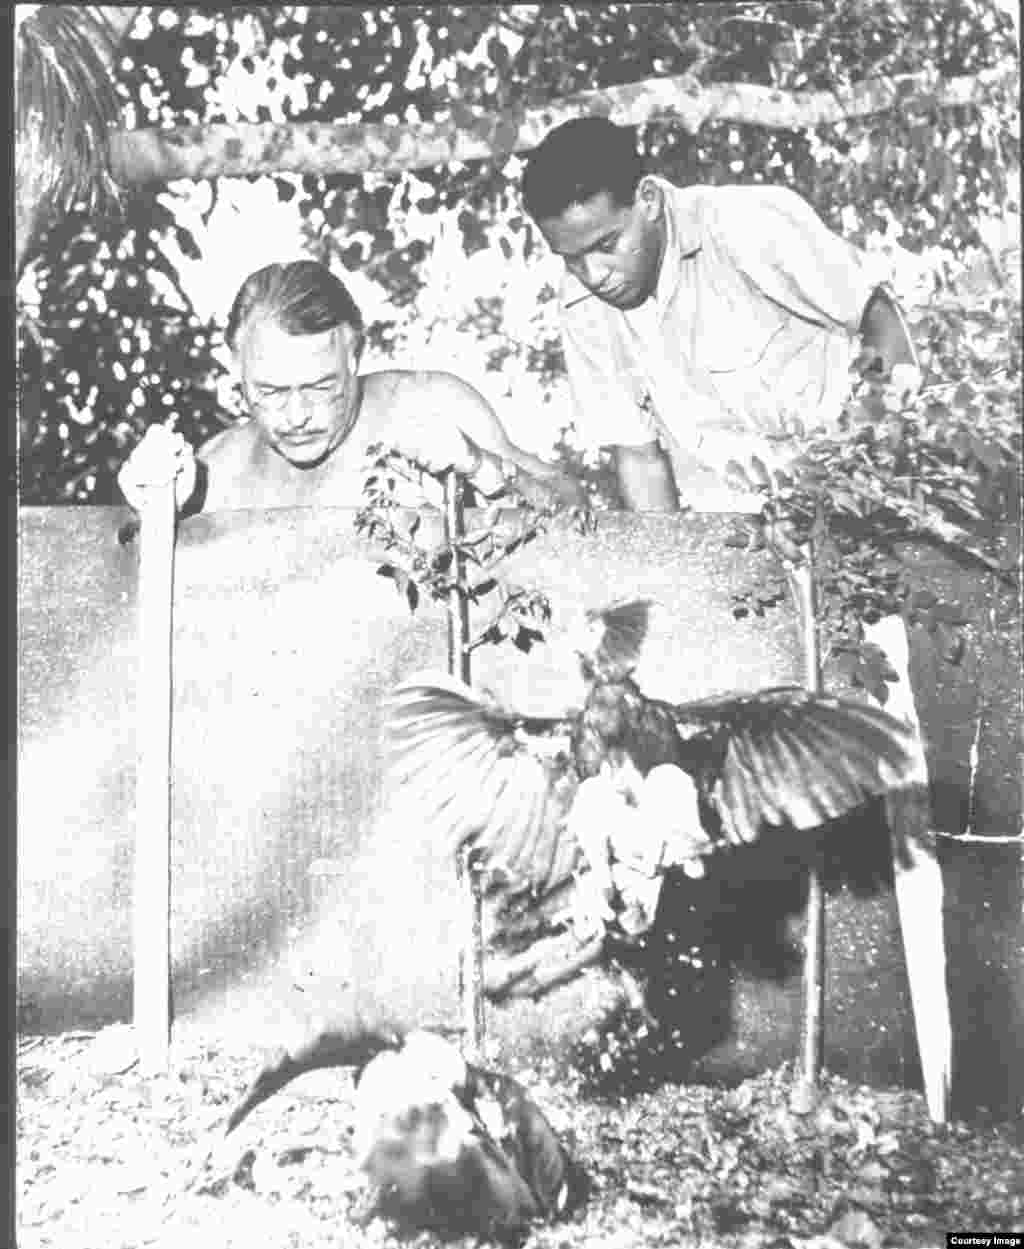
(285, 641)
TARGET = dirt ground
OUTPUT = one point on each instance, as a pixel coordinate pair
(110, 1159)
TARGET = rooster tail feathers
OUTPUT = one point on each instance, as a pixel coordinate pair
(625, 629)
(344, 1048)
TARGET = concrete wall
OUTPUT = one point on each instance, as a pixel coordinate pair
(285, 639)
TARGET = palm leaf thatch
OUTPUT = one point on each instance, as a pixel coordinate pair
(65, 103)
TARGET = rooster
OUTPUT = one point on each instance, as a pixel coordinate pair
(595, 805)
(447, 1146)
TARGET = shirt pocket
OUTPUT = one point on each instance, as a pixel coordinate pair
(732, 327)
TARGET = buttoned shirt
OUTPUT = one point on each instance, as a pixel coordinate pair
(752, 323)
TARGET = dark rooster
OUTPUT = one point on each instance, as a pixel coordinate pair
(448, 1146)
(597, 804)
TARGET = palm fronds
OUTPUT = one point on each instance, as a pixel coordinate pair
(65, 103)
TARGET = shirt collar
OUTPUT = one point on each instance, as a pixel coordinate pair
(683, 239)
(682, 236)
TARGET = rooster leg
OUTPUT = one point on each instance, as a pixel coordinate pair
(544, 966)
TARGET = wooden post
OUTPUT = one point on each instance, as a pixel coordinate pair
(470, 987)
(458, 604)
(916, 872)
(151, 979)
(812, 1039)
(918, 884)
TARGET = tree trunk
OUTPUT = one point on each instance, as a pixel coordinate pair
(141, 157)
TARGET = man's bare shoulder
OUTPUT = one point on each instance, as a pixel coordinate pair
(391, 395)
(231, 446)
(408, 385)
(229, 460)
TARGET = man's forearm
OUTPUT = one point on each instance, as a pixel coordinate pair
(515, 468)
(569, 489)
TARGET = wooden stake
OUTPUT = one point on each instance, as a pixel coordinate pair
(812, 1039)
(151, 977)
(470, 987)
(917, 879)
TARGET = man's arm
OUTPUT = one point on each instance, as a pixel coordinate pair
(528, 475)
(799, 263)
(456, 427)
(646, 481)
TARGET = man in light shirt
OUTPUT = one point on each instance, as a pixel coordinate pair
(697, 322)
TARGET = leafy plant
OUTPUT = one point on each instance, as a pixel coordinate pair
(941, 465)
(433, 571)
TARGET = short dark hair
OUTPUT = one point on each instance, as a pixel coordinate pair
(578, 160)
(301, 297)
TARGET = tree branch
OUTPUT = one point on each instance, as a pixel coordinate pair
(142, 157)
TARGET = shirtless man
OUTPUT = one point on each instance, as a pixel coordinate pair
(296, 336)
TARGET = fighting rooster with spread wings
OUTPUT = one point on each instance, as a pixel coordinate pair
(578, 817)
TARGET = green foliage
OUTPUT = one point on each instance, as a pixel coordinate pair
(941, 465)
(928, 177)
(111, 345)
(463, 566)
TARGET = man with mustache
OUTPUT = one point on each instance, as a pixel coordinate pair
(296, 335)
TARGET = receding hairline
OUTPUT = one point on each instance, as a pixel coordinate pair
(258, 324)
(301, 298)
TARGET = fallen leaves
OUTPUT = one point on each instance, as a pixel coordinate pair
(131, 1163)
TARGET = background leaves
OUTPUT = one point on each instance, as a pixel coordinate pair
(458, 268)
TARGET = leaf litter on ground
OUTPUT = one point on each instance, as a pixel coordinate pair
(108, 1157)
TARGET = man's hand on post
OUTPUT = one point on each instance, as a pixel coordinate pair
(162, 454)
